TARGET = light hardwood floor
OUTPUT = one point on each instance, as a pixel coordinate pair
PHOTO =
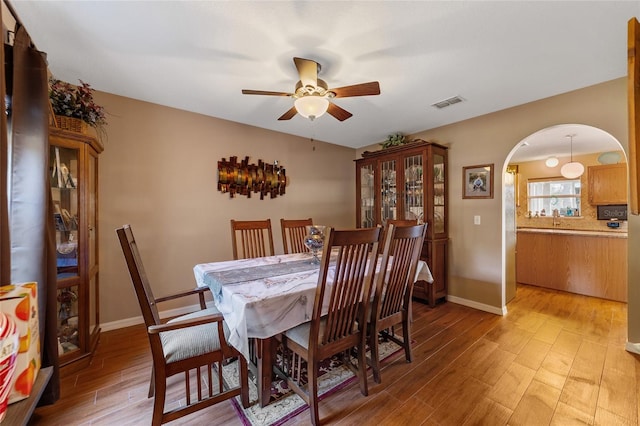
(555, 358)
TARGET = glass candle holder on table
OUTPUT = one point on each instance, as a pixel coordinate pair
(314, 241)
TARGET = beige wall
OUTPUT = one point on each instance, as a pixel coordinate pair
(158, 172)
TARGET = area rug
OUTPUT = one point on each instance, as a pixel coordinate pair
(285, 403)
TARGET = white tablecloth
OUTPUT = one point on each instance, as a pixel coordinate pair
(268, 305)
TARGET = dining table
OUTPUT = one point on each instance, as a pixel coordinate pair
(260, 298)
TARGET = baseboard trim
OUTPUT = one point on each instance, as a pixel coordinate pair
(128, 322)
(477, 305)
(633, 347)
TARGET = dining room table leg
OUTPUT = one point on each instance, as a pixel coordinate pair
(265, 359)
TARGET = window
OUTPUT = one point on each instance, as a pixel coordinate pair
(548, 195)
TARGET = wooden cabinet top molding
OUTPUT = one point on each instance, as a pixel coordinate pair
(92, 141)
(416, 143)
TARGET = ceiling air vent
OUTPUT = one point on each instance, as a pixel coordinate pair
(445, 103)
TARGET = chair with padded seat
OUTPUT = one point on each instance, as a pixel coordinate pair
(251, 238)
(344, 285)
(194, 342)
(293, 233)
(391, 304)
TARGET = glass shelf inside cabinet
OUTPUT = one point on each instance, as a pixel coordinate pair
(388, 190)
(68, 335)
(439, 189)
(64, 193)
(413, 188)
(367, 194)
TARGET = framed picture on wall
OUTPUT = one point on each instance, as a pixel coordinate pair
(477, 181)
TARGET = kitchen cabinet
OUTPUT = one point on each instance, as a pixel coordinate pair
(607, 184)
(74, 189)
(583, 262)
(409, 182)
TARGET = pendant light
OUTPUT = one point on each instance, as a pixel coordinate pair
(572, 169)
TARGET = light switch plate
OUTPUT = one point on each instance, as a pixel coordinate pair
(476, 220)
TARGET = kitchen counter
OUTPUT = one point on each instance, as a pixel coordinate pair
(577, 232)
(593, 263)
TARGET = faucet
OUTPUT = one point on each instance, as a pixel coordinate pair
(556, 217)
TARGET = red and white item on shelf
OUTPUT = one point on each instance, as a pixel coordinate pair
(20, 303)
(8, 356)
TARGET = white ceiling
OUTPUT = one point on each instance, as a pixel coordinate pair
(198, 55)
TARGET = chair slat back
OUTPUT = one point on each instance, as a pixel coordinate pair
(402, 248)
(352, 280)
(396, 222)
(251, 238)
(293, 233)
(402, 222)
(138, 276)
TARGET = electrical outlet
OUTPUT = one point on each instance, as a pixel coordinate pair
(476, 220)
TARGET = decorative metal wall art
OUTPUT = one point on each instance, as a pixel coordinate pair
(244, 178)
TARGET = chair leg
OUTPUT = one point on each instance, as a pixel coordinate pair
(362, 366)
(312, 387)
(375, 358)
(158, 402)
(406, 332)
(152, 383)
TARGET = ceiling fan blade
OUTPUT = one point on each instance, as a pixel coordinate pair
(262, 92)
(339, 113)
(363, 89)
(308, 71)
(289, 114)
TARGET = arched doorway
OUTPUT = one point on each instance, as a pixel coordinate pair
(591, 145)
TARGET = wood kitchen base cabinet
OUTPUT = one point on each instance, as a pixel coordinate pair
(592, 264)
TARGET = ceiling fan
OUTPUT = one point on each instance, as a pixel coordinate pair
(312, 95)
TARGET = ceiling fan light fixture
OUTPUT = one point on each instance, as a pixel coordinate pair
(312, 106)
(572, 169)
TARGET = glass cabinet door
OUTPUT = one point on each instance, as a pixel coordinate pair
(388, 192)
(92, 232)
(64, 173)
(64, 192)
(367, 195)
(413, 188)
(439, 225)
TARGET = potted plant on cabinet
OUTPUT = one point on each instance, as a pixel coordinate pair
(74, 107)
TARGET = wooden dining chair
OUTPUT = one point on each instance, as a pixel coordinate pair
(188, 343)
(391, 304)
(293, 233)
(343, 286)
(396, 222)
(251, 238)
(402, 222)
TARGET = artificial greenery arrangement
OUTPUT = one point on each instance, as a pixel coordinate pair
(76, 101)
(394, 140)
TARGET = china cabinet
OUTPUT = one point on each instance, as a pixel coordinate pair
(409, 182)
(73, 166)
